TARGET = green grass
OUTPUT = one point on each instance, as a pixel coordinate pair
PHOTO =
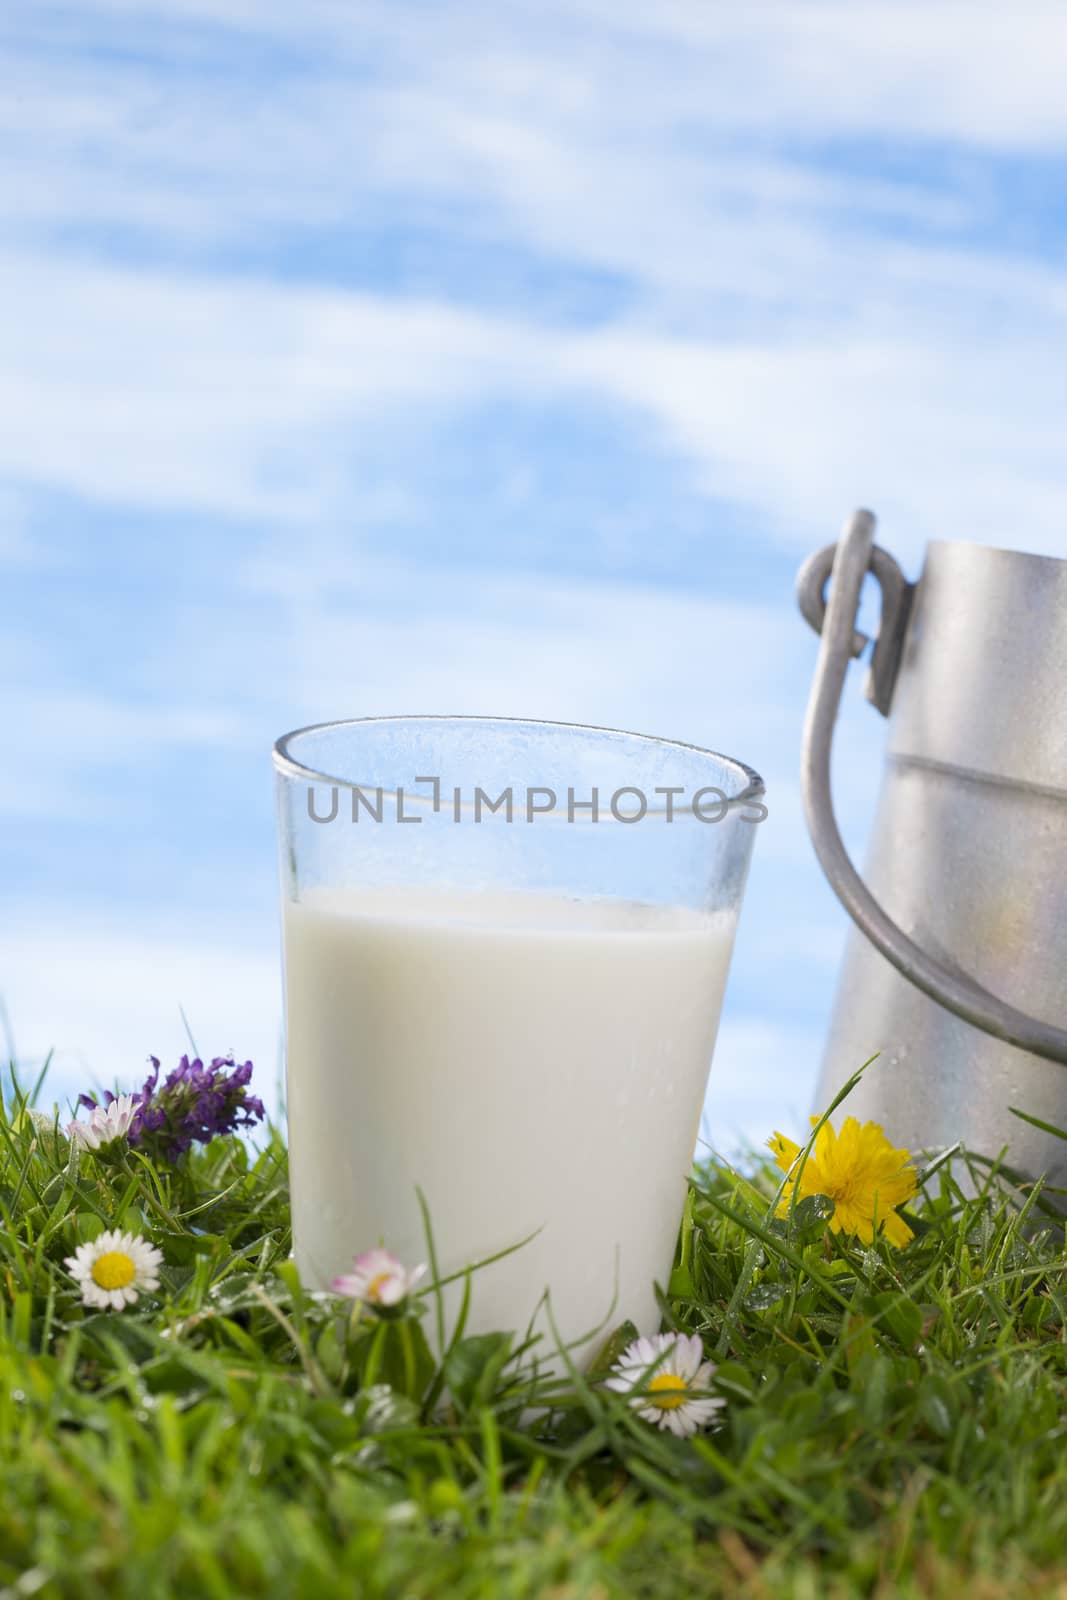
(897, 1421)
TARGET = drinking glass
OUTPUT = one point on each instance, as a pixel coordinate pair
(505, 949)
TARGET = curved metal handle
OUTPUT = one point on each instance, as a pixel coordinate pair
(853, 558)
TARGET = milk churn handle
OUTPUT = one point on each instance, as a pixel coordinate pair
(856, 555)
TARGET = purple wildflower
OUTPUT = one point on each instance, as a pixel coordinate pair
(194, 1104)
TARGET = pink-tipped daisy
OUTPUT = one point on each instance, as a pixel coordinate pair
(665, 1377)
(378, 1279)
(105, 1124)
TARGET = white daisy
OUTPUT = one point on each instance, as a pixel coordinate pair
(105, 1124)
(665, 1376)
(378, 1279)
(114, 1268)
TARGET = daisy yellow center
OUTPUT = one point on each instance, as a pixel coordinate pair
(114, 1270)
(667, 1391)
(374, 1287)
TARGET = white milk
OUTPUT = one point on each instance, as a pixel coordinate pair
(531, 1062)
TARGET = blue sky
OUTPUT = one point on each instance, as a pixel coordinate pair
(362, 358)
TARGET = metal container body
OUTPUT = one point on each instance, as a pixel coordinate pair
(969, 857)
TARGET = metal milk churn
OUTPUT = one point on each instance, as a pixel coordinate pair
(956, 970)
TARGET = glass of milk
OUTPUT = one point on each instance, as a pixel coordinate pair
(506, 945)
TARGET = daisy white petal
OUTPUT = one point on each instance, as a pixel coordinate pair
(687, 1355)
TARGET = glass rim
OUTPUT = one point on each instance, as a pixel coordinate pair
(286, 764)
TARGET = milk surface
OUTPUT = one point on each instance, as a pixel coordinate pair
(529, 1061)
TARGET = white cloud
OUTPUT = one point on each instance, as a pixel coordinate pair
(667, 168)
(944, 440)
(239, 396)
(802, 334)
(57, 741)
(953, 70)
(103, 997)
(170, 391)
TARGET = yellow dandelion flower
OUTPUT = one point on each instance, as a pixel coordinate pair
(862, 1173)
